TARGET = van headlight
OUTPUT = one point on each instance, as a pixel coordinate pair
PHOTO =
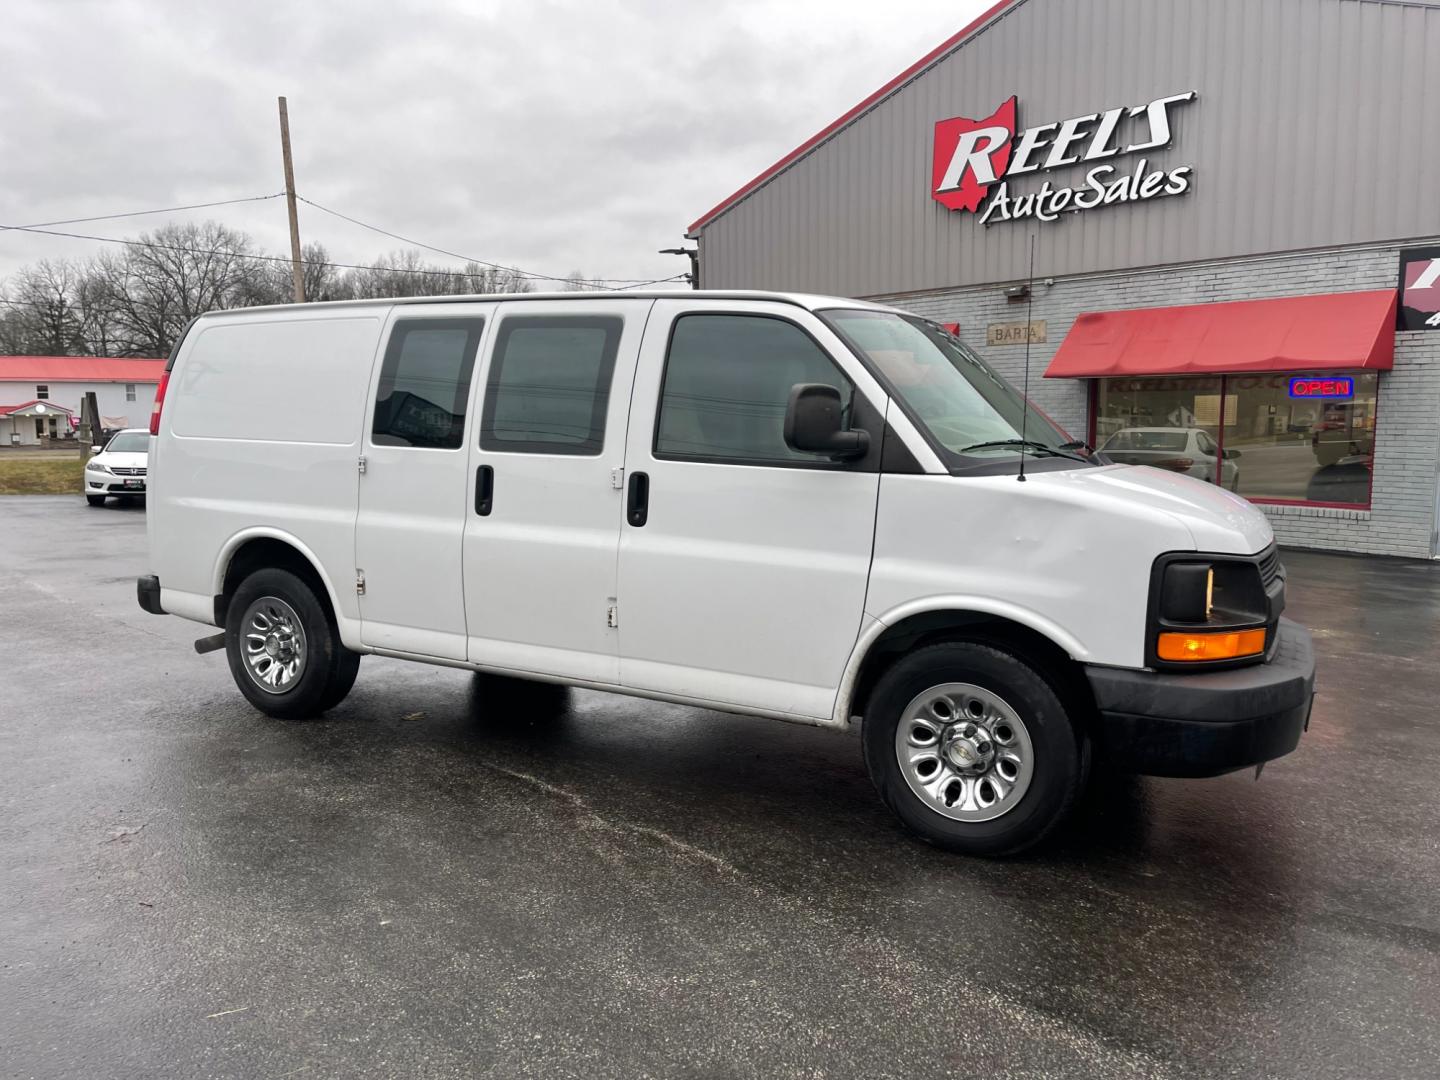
(1207, 610)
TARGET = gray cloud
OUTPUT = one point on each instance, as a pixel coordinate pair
(549, 135)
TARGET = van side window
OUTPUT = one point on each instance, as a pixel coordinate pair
(549, 384)
(425, 383)
(727, 383)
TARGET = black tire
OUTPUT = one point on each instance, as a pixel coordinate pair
(327, 672)
(1061, 752)
(346, 670)
(95, 500)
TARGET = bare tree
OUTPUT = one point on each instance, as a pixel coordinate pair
(136, 301)
(154, 288)
(576, 281)
(493, 279)
(397, 274)
(323, 280)
(44, 318)
(406, 273)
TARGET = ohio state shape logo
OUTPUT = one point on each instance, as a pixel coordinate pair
(972, 157)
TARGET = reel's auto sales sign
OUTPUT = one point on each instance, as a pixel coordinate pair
(975, 160)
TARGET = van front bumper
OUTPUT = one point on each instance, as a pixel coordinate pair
(1205, 724)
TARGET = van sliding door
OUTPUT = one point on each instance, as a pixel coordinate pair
(413, 483)
(542, 523)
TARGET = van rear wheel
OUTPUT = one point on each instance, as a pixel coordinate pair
(284, 648)
(973, 749)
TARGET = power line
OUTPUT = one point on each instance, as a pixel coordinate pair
(154, 245)
(32, 303)
(142, 213)
(657, 281)
(42, 228)
(235, 254)
(427, 247)
(465, 258)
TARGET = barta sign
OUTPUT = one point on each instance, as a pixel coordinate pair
(972, 157)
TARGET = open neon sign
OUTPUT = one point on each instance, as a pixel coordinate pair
(1337, 388)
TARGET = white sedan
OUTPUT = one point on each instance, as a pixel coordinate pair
(118, 469)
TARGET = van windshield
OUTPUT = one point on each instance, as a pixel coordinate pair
(968, 409)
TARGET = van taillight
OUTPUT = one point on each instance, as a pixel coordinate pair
(159, 401)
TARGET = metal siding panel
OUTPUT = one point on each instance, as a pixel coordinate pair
(1413, 131)
(1309, 131)
(1411, 74)
(1291, 142)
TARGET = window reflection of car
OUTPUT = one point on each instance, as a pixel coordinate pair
(1334, 441)
(1184, 450)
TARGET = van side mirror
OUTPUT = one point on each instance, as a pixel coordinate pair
(814, 422)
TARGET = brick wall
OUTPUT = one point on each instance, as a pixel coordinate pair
(1402, 518)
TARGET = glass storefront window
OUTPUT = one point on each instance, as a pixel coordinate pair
(1167, 422)
(1308, 448)
(1272, 438)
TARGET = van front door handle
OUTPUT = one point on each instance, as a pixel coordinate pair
(637, 504)
(484, 490)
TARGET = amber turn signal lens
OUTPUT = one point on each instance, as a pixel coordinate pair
(1230, 645)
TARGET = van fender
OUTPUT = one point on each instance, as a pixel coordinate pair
(349, 628)
(875, 626)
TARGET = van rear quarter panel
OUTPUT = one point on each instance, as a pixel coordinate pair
(260, 435)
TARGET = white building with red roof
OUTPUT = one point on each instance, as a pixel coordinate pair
(40, 395)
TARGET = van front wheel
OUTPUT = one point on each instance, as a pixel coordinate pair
(283, 647)
(973, 749)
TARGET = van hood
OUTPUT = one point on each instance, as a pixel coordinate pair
(1217, 520)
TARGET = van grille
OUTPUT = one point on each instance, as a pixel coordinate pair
(1270, 567)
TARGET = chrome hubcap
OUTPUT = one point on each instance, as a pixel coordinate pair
(274, 644)
(965, 752)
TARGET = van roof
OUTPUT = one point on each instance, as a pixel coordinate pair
(809, 301)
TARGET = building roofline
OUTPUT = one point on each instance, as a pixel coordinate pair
(6, 410)
(46, 380)
(936, 54)
(87, 359)
(43, 370)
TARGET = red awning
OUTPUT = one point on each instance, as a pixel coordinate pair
(1292, 333)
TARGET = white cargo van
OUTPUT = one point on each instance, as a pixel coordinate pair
(798, 507)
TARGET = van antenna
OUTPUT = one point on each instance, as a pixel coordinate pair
(1025, 384)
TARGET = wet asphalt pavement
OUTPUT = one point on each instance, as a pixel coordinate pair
(428, 883)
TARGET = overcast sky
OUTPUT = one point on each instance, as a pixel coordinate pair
(553, 136)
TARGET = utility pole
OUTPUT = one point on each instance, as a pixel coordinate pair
(296, 270)
(89, 433)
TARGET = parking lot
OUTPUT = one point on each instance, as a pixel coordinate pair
(426, 883)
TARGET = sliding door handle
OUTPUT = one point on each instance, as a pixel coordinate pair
(637, 503)
(484, 490)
